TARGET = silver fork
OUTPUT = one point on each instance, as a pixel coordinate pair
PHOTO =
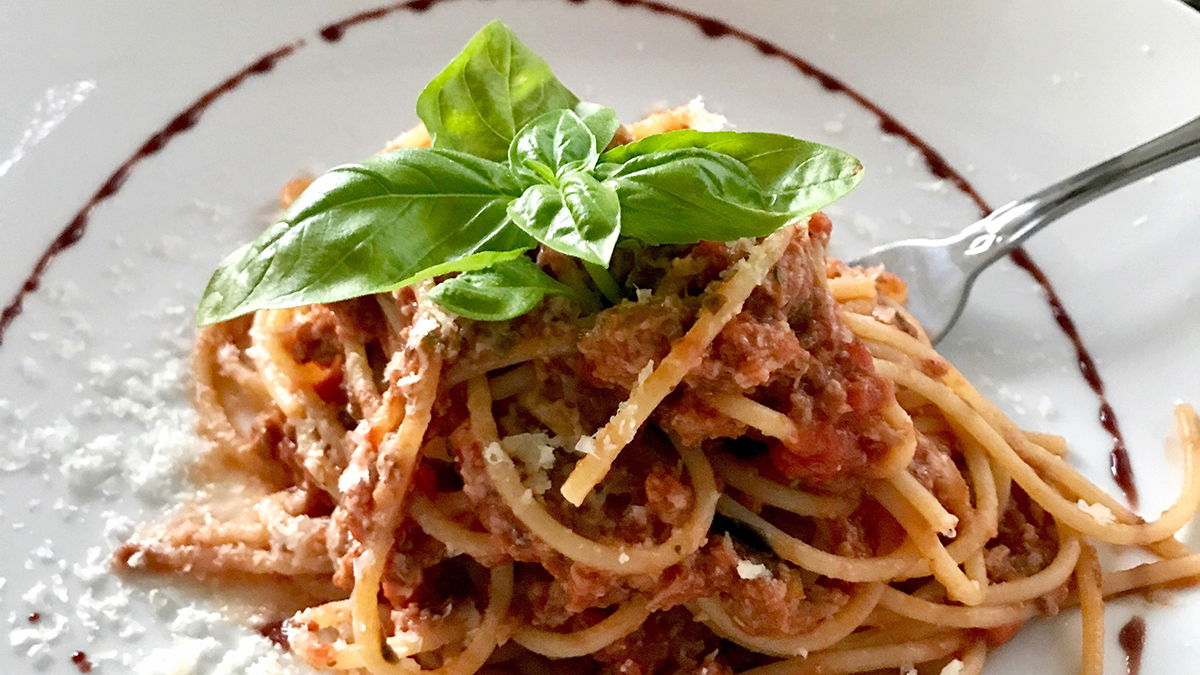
(940, 272)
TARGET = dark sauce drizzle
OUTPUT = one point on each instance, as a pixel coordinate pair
(273, 631)
(81, 661)
(179, 124)
(1118, 458)
(1121, 468)
(1133, 640)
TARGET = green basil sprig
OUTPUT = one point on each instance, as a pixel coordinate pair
(518, 160)
(488, 93)
(503, 291)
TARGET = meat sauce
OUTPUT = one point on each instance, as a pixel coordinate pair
(787, 349)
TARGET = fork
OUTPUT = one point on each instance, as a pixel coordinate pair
(940, 272)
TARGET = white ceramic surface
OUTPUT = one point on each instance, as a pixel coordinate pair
(1015, 94)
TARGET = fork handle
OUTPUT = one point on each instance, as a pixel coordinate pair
(1012, 223)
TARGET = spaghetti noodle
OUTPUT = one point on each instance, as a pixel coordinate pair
(759, 465)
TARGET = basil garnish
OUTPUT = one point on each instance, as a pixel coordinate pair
(505, 290)
(517, 160)
(552, 144)
(488, 92)
(601, 121)
(580, 216)
(691, 194)
(372, 227)
(799, 176)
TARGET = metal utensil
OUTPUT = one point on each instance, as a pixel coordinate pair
(940, 272)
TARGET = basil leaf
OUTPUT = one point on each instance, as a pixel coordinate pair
(689, 195)
(500, 292)
(580, 217)
(553, 143)
(800, 176)
(372, 227)
(602, 121)
(495, 86)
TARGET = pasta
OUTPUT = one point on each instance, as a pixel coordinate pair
(759, 464)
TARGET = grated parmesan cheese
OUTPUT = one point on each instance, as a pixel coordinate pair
(493, 453)
(124, 431)
(953, 668)
(1099, 512)
(354, 475)
(703, 119)
(645, 371)
(535, 452)
(751, 570)
(586, 445)
(884, 313)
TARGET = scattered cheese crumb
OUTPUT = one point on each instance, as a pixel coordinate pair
(953, 668)
(493, 453)
(703, 119)
(31, 370)
(623, 558)
(354, 475)
(1099, 512)
(126, 430)
(535, 451)
(645, 371)
(586, 445)
(884, 313)
(1045, 407)
(752, 570)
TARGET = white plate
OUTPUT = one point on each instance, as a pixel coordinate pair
(1013, 94)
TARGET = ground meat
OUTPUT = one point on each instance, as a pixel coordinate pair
(787, 349)
(669, 499)
(703, 574)
(314, 340)
(360, 319)
(272, 438)
(999, 635)
(343, 548)
(1024, 546)
(413, 573)
(627, 510)
(562, 267)
(781, 603)
(687, 416)
(1025, 543)
(844, 536)
(934, 468)
(747, 353)
(668, 642)
(628, 336)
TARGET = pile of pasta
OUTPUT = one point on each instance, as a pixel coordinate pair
(341, 496)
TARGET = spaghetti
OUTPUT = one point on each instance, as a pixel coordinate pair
(759, 464)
